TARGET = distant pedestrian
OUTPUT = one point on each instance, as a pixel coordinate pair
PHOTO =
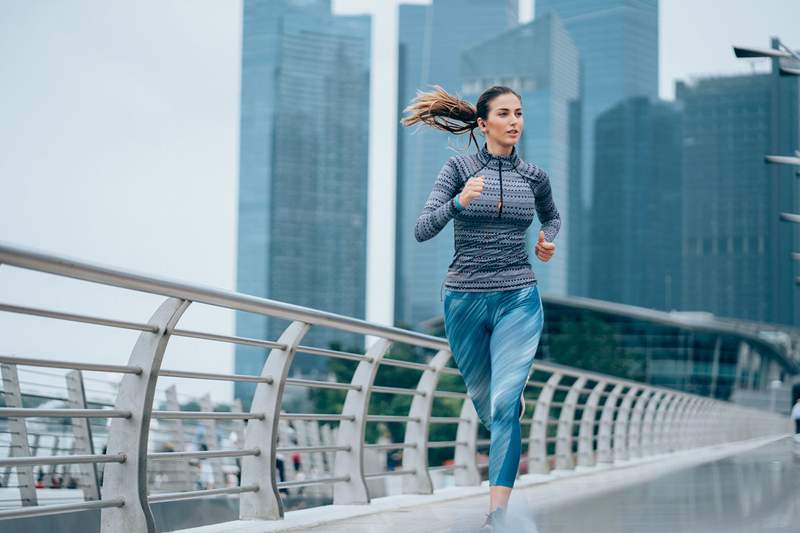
(796, 415)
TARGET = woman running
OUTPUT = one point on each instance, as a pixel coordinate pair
(492, 308)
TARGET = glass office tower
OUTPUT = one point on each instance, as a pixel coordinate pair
(540, 62)
(736, 252)
(303, 170)
(432, 38)
(636, 233)
(618, 45)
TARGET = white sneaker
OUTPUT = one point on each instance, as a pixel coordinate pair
(495, 521)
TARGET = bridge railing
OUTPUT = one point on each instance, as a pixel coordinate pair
(577, 417)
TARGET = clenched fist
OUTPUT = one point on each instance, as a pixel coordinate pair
(472, 190)
(544, 249)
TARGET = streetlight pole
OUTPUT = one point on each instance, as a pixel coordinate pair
(784, 195)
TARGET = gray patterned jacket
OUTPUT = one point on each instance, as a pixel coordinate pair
(490, 249)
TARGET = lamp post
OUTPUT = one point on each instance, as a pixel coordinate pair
(785, 160)
(783, 133)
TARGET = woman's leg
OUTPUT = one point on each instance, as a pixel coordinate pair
(465, 319)
(519, 319)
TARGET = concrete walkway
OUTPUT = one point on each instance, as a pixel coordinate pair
(577, 500)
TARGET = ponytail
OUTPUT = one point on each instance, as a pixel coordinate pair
(443, 111)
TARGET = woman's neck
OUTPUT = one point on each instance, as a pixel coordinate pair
(495, 148)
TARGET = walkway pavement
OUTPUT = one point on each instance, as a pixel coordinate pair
(735, 488)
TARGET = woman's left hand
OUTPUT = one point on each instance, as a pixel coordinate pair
(544, 249)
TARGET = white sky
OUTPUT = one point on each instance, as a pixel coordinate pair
(119, 127)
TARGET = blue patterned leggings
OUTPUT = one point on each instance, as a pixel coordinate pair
(494, 337)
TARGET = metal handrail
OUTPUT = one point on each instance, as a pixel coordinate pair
(651, 419)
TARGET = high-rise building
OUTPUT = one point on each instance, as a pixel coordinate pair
(736, 252)
(540, 62)
(303, 170)
(636, 231)
(432, 38)
(618, 45)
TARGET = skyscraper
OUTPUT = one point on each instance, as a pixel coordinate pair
(540, 62)
(618, 45)
(432, 38)
(303, 169)
(736, 251)
(636, 231)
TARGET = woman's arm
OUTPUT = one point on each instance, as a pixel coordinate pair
(546, 208)
(441, 205)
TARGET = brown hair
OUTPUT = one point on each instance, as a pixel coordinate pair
(443, 111)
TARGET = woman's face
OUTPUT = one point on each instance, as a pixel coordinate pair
(504, 123)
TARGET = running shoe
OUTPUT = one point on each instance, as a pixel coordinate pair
(495, 521)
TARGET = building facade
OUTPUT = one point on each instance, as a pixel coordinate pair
(303, 170)
(636, 231)
(540, 62)
(432, 38)
(736, 253)
(618, 45)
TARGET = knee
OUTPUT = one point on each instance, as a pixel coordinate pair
(506, 409)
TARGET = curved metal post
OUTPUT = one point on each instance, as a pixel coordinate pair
(715, 423)
(18, 428)
(586, 456)
(88, 479)
(351, 432)
(604, 453)
(622, 423)
(677, 423)
(129, 436)
(662, 415)
(637, 421)
(648, 425)
(466, 456)
(416, 458)
(685, 424)
(669, 423)
(564, 458)
(537, 449)
(266, 503)
(703, 433)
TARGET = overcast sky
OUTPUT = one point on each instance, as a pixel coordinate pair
(119, 127)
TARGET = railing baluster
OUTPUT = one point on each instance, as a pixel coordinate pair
(648, 426)
(466, 458)
(82, 432)
(19, 435)
(622, 424)
(129, 436)
(604, 451)
(586, 451)
(350, 463)
(266, 503)
(566, 424)
(637, 423)
(662, 415)
(537, 446)
(416, 458)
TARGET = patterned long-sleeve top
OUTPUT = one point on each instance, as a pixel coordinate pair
(490, 248)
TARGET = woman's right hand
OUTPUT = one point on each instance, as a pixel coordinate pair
(471, 190)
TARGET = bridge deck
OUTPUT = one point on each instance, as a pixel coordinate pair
(742, 487)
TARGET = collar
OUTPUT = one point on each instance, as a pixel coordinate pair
(496, 162)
